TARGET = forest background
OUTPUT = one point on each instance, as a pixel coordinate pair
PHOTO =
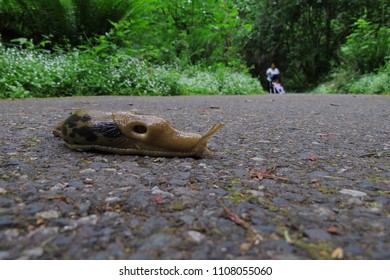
(176, 47)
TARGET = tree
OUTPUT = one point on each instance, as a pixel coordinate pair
(303, 36)
(60, 19)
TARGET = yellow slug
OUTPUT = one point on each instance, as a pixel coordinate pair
(126, 133)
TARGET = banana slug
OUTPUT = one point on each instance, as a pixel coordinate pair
(126, 133)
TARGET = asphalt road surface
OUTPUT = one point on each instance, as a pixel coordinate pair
(291, 177)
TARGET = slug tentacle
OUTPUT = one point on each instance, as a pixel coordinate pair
(126, 133)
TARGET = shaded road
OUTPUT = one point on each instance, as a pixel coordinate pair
(292, 177)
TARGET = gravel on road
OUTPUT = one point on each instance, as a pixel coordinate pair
(292, 177)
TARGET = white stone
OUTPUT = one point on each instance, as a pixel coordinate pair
(88, 220)
(257, 193)
(196, 236)
(88, 170)
(156, 190)
(112, 199)
(257, 159)
(353, 193)
(58, 187)
(50, 214)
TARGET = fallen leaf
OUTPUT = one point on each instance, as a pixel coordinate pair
(245, 247)
(332, 230)
(312, 158)
(267, 173)
(159, 200)
(40, 221)
(338, 253)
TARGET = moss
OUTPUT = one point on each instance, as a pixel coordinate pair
(377, 179)
(236, 181)
(319, 251)
(325, 190)
(178, 206)
(228, 188)
(240, 196)
(193, 181)
(267, 204)
(382, 193)
(170, 230)
(280, 229)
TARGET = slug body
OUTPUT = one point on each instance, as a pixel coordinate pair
(126, 133)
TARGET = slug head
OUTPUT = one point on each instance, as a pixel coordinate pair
(157, 133)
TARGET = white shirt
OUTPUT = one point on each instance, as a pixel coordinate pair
(272, 72)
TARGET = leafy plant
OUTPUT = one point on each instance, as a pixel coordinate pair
(366, 48)
(36, 73)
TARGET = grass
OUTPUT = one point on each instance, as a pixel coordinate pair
(37, 73)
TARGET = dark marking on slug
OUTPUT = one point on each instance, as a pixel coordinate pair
(64, 131)
(108, 129)
(71, 121)
(86, 118)
(85, 132)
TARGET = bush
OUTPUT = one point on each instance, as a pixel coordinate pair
(36, 73)
(366, 48)
(365, 66)
(344, 81)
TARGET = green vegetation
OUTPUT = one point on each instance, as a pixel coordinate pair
(66, 48)
(315, 41)
(177, 47)
(32, 73)
(240, 196)
(365, 65)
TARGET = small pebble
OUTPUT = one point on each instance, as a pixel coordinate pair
(50, 214)
(3, 191)
(58, 187)
(354, 201)
(88, 181)
(257, 159)
(88, 220)
(109, 169)
(353, 193)
(87, 171)
(245, 247)
(112, 199)
(196, 236)
(317, 234)
(323, 212)
(156, 190)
